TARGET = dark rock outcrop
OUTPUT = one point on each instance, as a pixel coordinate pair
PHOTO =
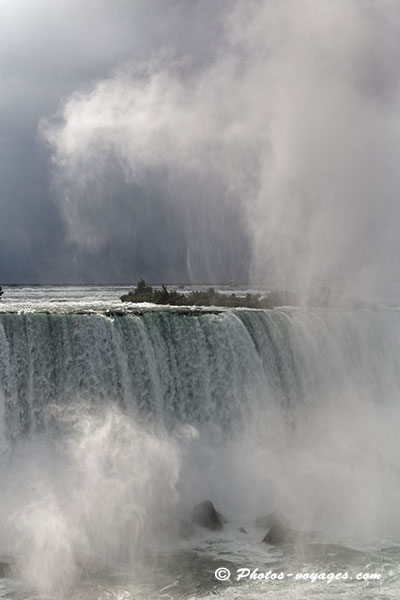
(279, 534)
(205, 515)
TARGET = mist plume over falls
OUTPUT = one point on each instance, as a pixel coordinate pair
(275, 158)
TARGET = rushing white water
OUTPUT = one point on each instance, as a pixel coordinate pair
(113, 427)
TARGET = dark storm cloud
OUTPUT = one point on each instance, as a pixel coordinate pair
(202, 140)
(48, 50)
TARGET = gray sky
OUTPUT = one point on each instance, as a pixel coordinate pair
(200, 140)
(50, 49)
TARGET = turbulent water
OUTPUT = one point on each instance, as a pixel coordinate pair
(113, 425)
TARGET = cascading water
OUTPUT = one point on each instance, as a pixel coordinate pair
(113, 427)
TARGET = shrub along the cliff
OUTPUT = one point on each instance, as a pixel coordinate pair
(210, 297)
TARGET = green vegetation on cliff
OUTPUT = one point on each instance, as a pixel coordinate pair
(146, 293)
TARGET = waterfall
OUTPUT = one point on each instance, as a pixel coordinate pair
(112, 427)
(203, 370)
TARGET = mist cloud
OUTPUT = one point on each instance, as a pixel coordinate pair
(289, 136)
(51, 50)
(212, 141)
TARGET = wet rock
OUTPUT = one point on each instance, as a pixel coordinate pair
(242, 530)
(279, 534)
(278, 531)
(205, 515)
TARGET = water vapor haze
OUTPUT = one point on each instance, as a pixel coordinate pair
(278, 154)
(202, 140)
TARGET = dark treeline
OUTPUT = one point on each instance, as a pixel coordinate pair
(210, 297)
